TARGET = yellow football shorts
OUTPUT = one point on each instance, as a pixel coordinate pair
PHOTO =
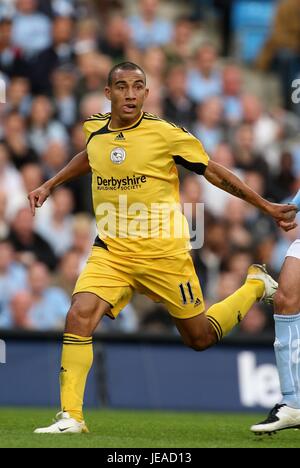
(171, 281)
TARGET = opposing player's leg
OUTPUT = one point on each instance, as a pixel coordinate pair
(286, 414)
(101, 289)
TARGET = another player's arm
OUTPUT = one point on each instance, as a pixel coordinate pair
(79, 165)
(229, 182)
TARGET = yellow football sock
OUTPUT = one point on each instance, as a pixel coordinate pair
(224, 315)
(77, 359)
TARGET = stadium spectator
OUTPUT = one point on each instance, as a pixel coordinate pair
(90, 105)
(286, 178)
(86, 36)
(256, 323)
(29, 22)
(7, 8)
(53, 8)
(54, 157)
(58, 54)
(13, 278)
(267, 131)
(208, 260)
(19, 96)
(180, 49)
(84, 233)
(214, 200)
(116, 39)
(64, 95)
(208, 124)
(154, 60)
(19, 311)
(12, 60)
(17, 141)
(246, 155)
(43, 129)
(177, 107)
(191, 197)
(69, 269)
(49, 303)
(128, 324)
(204, 78)
(148, 28)
(231, 94)
(227, 283)
(235, 215)
(10, 183)
(38, 307)
(156, 322)
(29, 245)
(237, 262)
(264, 248)
(259, 225)
(56, 227)
(93, 68)
(32, 174)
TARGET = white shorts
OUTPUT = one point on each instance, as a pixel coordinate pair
(294, 249)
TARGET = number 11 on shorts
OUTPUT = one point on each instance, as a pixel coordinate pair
(187, 288)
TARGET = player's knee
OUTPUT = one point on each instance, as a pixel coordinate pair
(82, 310)
(200, 343)
(285, 303)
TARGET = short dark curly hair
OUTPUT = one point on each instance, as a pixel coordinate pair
(124, 66)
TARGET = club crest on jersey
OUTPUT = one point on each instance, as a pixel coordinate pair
(118, 155)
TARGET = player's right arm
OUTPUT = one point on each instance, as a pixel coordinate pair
(78, 166)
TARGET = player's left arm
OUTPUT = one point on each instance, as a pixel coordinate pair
(224, 179)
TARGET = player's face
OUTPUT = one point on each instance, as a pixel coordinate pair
(127, 95)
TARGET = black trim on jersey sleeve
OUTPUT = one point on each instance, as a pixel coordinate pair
(99, 117)
(99, 243)
(198, 168)
(101, 131)
(106, 129)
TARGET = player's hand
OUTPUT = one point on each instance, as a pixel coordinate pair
(286, 225)
(284, 215)
(37, 197)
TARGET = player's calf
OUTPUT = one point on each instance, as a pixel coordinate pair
(286, 303)
(197, 332)
(201, 344)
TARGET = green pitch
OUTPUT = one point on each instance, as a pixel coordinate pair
(155, 429)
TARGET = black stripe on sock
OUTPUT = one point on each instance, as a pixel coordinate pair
(74, 341)
(77, 341)
(78, 344)
(216, 326)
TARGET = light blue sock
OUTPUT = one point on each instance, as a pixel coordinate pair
(287, 352)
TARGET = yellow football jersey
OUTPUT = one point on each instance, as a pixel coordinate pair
(135, 184)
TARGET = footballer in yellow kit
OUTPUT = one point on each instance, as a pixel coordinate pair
(143, 241)
(143, 238)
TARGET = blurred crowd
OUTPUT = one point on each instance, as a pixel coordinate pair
(54, 58)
